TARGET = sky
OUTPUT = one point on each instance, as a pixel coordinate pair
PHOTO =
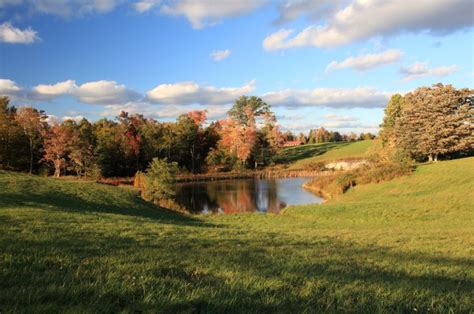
(329, 63)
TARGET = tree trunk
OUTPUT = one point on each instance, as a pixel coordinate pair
(435, 157)
(57, 168)
(31, 156)
(430, 157)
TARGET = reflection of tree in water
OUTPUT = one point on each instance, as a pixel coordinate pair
(274, 203)
(195, 198)
(233, 196)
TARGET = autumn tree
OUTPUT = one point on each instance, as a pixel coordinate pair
(32, 123)
(59, 141)
(436, 121)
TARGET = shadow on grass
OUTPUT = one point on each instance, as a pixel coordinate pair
(237, 275)
(100, 203)
(306, 151)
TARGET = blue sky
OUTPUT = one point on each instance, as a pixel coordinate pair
(331, 63)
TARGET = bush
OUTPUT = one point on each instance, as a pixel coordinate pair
(316, 166)
(339, 183)
(159, 180)
(383, 171)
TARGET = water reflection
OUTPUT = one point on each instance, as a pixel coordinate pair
(244, 195)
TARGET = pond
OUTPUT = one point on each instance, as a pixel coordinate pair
(244, 195)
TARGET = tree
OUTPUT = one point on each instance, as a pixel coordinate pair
(32, 122)
(435, 121)
(10, 136)
(58, 143)
(244, 106)
(82, 151)
(159, 180)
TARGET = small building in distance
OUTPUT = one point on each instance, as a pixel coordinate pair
(292, 143)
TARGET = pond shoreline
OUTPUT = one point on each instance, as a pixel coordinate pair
(264, 174)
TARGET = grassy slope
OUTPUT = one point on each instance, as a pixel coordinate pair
(300, 156)
(395, 246)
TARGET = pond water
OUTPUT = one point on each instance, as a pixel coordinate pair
(244, 195)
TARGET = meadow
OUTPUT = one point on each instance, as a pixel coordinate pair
(300, 156)
(400, 246)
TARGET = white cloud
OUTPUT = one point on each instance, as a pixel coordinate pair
(99, 92)
(77, 118)
(45, 92)
(349, 125)
(12, 35)
(364, 19)
(9, 88)
(145, 5)
(74, 7)
(420, 69)
(165, 112)
(366, 62)
(104, 93)
(219, 55)
(188, 93)
(207, 12)
(335, 117)
(5, 3)
(361, 97)
(290, 10)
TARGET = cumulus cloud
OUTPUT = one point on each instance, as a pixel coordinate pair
(6, 3)
(188, 93)
(420, 69)
(9, 88)
(99, 92)
(74, 7)
(361, 97)
(77, 118)
(105, 93)
(290, 10)
(145, 5)
(63, 8)
(165, 112)
(364, 19)
(207, 12)
(348, 125)
(48, 92)
(335, 117)
(12, 35)
(219, 55)
(367, 62)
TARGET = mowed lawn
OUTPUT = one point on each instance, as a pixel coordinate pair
(300, 156)
(401, 246)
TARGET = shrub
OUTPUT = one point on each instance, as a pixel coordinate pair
(139, 179)
(345, 181)
(159, 180)
(316, 166)
(383, 171)
(339, 183)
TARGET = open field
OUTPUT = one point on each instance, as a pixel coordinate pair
(300, 156)
(402, 246)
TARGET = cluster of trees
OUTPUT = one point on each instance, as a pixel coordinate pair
(248, 137)
(321, 135)
(429, 123)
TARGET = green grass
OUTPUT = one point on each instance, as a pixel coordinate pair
(400, 246)
(300, 156)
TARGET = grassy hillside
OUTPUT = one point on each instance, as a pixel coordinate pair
(300, 156)
(405, 245)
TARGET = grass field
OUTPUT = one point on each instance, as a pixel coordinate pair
(300, 156)
(402, 246)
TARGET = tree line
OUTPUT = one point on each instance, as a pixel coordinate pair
(247, 138)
